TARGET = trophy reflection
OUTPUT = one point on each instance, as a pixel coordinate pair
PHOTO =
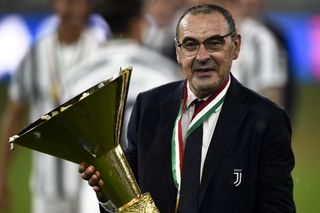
(87, 128)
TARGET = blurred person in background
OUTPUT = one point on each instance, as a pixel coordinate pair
(256, 10)
(160, 31)
(35, 90)
(150, 69)
(259, 66)
(123, 49)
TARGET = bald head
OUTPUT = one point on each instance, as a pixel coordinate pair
(208, 9)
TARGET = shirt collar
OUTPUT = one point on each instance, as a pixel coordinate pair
(192, 96)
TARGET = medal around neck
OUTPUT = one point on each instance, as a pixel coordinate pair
(87, 128)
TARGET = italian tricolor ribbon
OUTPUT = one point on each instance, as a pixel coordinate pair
(203, 112)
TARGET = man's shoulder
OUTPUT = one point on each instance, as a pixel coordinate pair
(131, 53)
(165, 93)
(260, 105)
(173, 87)
(264, 111)
(45, 39)
(152, 58)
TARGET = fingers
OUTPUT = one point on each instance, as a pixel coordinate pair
(88, 173)
(82, 167)
(93, 177)
(98, 186)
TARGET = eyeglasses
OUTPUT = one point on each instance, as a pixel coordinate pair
(190, 47)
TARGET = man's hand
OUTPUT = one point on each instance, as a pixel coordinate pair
(90, 174)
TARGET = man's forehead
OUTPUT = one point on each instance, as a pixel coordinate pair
(214, 23)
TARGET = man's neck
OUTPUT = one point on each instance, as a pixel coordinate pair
(205, 94)
(69, 35)
(201, 94)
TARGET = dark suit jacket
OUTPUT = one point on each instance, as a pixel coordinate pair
(252, 137)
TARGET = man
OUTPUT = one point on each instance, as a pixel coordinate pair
(231, 154)
(35, 90)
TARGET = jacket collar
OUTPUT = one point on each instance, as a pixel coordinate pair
(168, 113)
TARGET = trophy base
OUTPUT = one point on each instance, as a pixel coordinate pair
(141, 204)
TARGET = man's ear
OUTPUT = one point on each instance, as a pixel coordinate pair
(178, 53)
(236, 44)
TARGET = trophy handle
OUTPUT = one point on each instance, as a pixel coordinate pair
(124, 191)
(114, 168)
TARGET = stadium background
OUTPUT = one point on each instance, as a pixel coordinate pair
(20, 24)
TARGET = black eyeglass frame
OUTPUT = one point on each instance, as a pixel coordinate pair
(199, 43)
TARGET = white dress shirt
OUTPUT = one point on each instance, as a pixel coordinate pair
(208, 125)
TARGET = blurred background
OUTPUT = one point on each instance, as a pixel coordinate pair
(22, 22)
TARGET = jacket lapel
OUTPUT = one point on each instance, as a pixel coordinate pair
(230, 120)
(168, 114)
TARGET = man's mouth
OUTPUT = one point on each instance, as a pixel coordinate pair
(204, 72)
(206, 69)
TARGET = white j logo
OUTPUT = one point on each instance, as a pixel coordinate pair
(238, 173)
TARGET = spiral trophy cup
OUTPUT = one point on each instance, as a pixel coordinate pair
(87, 128)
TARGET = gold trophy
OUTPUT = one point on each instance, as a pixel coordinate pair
(87, 128)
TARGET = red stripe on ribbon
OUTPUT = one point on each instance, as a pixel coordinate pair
(213, 96)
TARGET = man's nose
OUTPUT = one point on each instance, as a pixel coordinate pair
(203, 53)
